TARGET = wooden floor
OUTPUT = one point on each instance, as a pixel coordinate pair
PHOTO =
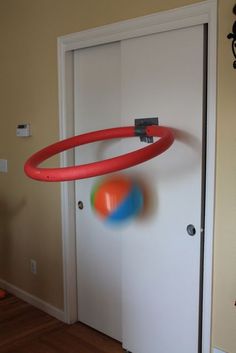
(25, 329)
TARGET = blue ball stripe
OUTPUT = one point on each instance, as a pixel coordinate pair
(129, 207)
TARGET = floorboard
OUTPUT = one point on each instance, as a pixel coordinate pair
(26, 329)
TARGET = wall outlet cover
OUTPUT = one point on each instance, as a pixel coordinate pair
(33, 266)
(3, 166)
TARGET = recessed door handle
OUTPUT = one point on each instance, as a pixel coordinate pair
(80, 205)
(191, 230)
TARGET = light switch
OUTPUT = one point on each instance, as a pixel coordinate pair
(3, 165)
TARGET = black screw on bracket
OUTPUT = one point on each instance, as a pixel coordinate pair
(233, 37)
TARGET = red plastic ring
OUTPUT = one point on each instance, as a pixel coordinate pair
(166, 138)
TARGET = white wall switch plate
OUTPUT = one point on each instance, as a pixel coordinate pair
(216, 350)
(3, 166)
(23, 130)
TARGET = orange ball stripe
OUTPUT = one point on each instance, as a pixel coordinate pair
(110, 195)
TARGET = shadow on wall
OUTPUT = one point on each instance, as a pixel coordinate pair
(174, 167)
(7, 214)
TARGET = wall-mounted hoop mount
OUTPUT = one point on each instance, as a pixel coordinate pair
(140, 128)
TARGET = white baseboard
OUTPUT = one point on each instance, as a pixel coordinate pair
(35, 301)
(216, 350)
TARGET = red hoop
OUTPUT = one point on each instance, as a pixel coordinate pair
(102, 167)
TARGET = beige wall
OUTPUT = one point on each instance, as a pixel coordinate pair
(29, 210)
(224, 314)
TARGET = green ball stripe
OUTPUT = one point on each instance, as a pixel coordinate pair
(93, 193)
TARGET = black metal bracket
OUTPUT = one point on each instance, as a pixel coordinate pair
(233, 37)
(140, 128)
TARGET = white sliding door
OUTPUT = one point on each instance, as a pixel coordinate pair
(162, 75)
(97, 106)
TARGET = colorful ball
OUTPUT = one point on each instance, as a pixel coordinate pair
(117, 198)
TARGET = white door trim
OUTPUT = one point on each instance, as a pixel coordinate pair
(200, 13)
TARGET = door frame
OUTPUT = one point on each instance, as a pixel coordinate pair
(200, 13)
